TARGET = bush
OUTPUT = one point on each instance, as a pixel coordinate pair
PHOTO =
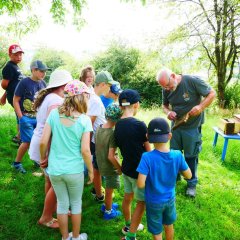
(232, 99)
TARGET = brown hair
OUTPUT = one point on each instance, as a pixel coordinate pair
(83, 74)
(74, 103)
(40, 97)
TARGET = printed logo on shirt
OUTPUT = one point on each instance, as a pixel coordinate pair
(186, 97)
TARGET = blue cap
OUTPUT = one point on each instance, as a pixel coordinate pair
(116, 89)
(37, 64)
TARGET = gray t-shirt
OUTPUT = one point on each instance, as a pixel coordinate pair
(188, 94)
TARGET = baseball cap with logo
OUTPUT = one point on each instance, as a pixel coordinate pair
(37, 64)
(15, 48)
(158, 131)
(116, 89)
(59, 77)
(106, 77)
(128, 97)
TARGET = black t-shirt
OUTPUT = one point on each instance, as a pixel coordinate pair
(130, 135)
(13, 74)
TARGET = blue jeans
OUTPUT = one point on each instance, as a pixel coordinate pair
(159, 214)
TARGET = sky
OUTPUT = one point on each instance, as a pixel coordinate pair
(106, 20)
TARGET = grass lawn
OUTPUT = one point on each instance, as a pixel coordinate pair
(214, 214)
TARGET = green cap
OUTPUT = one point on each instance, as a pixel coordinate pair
(106, 77)
(113, 112)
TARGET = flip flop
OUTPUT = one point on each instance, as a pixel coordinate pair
(51, 224)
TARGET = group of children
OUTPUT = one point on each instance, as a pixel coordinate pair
(73, 127)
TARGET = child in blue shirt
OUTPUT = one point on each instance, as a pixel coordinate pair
(158, 171)
(23, 106)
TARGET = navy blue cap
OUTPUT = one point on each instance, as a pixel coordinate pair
(130, 96)
(116, 89)
(158, 131)
(37, 64)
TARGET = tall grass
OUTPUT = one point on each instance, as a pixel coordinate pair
(212, 215)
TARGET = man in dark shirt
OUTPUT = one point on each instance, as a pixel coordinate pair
(11, 76)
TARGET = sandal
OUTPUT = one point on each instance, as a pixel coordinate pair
(51, 224)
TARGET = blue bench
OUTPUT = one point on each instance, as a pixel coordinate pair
(226, 138)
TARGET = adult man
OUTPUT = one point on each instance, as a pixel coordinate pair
(11, 76)
(182, 94)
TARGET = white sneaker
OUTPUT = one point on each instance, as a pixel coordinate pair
(140, 227)
(83, 236)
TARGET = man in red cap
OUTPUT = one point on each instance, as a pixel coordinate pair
(11, 76)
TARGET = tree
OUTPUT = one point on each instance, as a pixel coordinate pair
(216, 25)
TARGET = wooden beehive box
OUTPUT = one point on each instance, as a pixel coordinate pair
(226, 125)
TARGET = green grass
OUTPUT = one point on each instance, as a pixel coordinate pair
(213, 215)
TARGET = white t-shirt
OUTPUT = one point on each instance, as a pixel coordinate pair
(96, 108)
(50, 100)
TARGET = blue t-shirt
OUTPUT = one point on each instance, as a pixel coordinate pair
(161, 170)
(106, 101)
(13, 74)
(26, 89)
(65, 155)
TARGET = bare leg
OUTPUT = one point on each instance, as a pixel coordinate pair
(49, 208)
(169, 231)
(157, 237)
(108, 198)
(48, 184)
(97, 182)
(126, 205)
(137, 216)
(63, 225)
(76, 222)
(21, 151)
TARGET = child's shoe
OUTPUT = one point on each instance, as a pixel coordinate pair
(93, 191)
(125, 229)
(99, 199)
(114, 206)
(19, 168)
(113, 214)
(82, 236)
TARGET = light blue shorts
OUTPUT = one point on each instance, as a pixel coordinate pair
(130, 186)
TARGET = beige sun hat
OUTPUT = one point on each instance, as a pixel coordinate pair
(59, 78)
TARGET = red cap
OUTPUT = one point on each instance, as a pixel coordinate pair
(15, 49)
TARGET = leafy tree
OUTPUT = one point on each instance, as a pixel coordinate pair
(215, 26)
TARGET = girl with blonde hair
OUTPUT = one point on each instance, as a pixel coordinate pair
(68, 128)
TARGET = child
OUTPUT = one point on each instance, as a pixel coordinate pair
(96, 112)
(88, 77)
(69, 130)
(12, 75)
(23, 105)
(130, 135)
(112, 95)
(158, 171)
(107, 160)
(47, 99)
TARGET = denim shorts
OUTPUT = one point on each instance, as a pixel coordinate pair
(159, 214)
(26, 126)
(130, 186)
